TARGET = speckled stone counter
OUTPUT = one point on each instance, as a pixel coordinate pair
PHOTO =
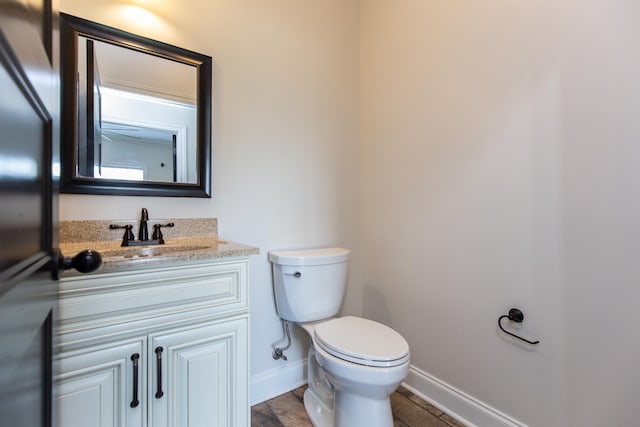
(189, 240)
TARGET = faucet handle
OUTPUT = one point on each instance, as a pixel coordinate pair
(128, 233)
(157, 232)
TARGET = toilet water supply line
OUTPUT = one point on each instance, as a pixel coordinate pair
(278, 352)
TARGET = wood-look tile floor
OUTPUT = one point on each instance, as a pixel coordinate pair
(287, 410)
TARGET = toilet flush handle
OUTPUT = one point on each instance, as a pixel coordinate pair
(296, 274)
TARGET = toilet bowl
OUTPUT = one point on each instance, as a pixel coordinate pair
(363, 363)
(354, 364)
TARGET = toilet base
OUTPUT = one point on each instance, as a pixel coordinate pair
(319, 414)
(353, 410)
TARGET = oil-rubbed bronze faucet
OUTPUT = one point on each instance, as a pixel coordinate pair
(143, 231)
(128, 239)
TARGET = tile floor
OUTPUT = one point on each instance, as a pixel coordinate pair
(409, 410)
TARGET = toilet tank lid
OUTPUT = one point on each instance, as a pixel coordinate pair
(309, 256)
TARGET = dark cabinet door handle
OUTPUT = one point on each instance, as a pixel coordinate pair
(159, 392)
(135, 358)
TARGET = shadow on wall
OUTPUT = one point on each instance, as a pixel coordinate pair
(375, 306)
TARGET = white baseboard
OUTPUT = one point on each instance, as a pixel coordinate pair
(456, 403)
(272, 383)
(467, 409)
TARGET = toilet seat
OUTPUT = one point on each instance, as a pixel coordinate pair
(362, 341)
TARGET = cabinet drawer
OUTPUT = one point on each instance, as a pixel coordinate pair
(139, 299)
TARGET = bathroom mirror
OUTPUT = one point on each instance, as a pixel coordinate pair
(136, 114)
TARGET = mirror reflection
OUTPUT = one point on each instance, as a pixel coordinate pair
(144, 121)
(139, 119)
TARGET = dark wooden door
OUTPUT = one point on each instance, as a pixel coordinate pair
(29, 105)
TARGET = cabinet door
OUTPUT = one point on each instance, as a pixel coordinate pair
(203, 373)
(96, 386)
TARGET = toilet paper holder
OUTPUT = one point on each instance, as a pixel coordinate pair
(515, 315)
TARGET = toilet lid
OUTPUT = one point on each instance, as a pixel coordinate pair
(362, 341)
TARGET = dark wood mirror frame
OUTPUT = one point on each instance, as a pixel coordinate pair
(70, 28)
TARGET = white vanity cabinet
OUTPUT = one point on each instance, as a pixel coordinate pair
(157, 347)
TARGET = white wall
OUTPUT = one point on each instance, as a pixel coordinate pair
(602, 206)
(285, 135)
(500, 146)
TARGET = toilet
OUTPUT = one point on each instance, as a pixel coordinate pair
(354, 364)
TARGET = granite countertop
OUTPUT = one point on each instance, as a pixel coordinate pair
(190, 240)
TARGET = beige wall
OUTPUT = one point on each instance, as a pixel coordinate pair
(500, 145)
(458, 103)
(285, 135)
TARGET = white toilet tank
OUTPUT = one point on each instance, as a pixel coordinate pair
(309, 284)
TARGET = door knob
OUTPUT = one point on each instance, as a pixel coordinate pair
(85, 261)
